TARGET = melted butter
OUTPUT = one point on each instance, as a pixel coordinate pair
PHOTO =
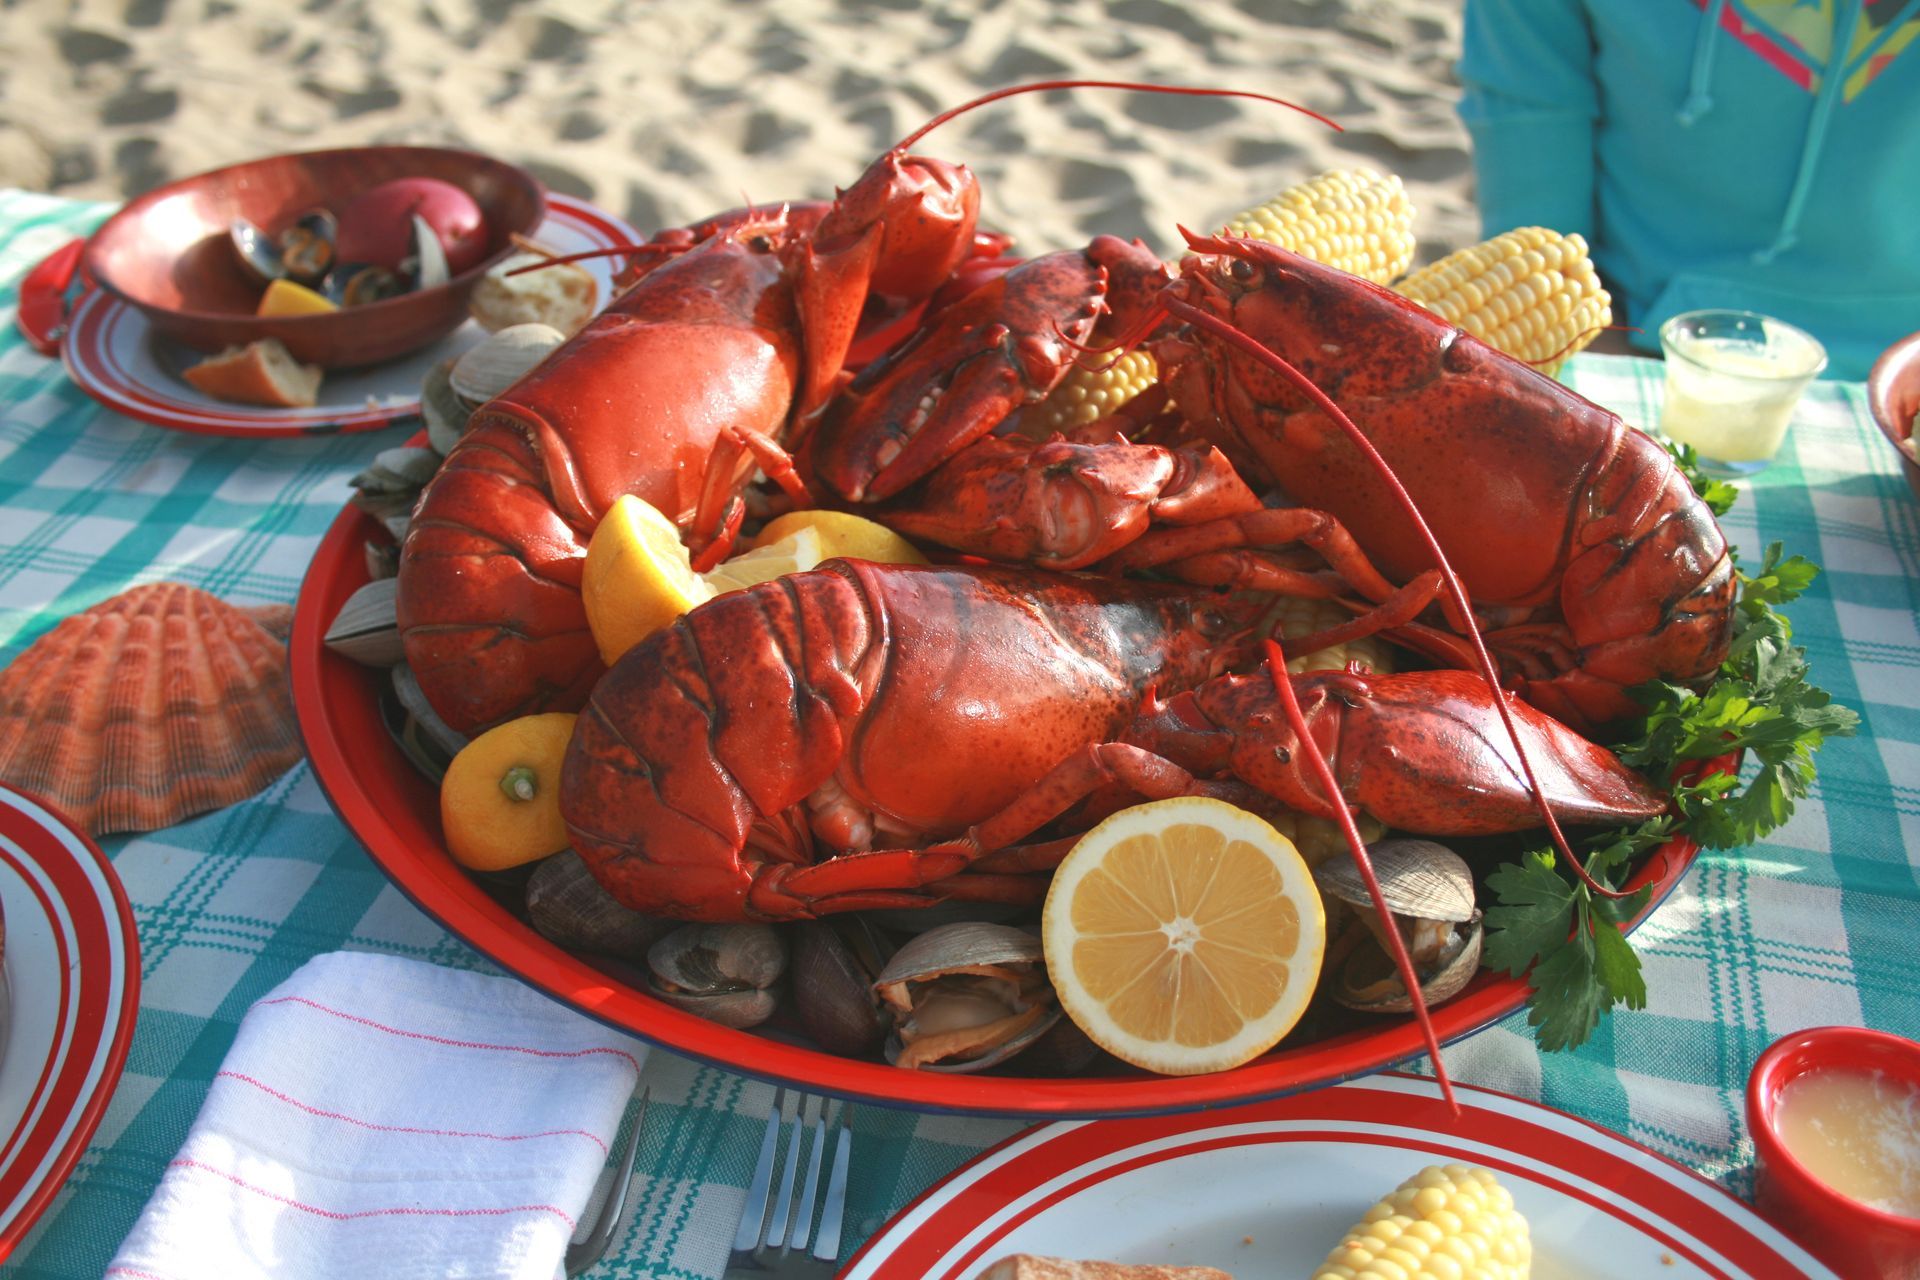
(1735, 400)
(1858, 1132)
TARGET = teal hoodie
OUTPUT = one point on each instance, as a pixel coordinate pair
(1756, 154)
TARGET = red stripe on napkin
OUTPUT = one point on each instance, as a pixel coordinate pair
(400, 1128)
(457, 1044)
(396, 1211)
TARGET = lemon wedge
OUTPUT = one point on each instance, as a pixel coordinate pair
(843, 534)
(1184, 935)
(500, 800)
(285, 298)
(637, 578)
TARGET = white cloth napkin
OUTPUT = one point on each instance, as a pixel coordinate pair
(380, 1117)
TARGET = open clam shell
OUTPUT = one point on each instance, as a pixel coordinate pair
(367, 628)
(1369, 982)
(1417, 878)
(965, 997)
(161, 702)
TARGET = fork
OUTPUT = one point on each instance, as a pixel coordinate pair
(583, 1254)
(774, 1225)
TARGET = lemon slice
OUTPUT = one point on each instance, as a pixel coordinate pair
(843, 534)
(1184, 935)
(285, 298)
(637, 578)
(801, 549)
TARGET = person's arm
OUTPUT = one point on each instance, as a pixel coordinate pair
(1530, 102)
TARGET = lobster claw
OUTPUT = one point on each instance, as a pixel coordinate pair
(1006, 344)
(1425, 751)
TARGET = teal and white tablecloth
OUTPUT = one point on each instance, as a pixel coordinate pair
(1814, 926)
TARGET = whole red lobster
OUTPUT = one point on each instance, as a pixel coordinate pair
(912, 719)
(718, 357)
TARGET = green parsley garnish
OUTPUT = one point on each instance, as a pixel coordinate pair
(1545, 919)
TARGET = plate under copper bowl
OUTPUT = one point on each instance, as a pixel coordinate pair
(168, 254)
(395, 813)
(1893, 394)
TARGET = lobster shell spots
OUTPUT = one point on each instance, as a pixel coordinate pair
(159, 703)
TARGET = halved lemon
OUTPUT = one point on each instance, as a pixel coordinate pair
(1184, 935)
(843, 534)
(801, 549)
(637, 578)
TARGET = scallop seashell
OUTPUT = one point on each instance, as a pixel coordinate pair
(502, 359)
(159, 703)
(1418, 879)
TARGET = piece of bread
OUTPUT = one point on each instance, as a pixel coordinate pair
(563, 295)
(262, 372)
(1026, 1266)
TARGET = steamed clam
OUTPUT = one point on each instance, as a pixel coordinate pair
(1429, 892)
(834, 965)
(725, 973)
(965, 997)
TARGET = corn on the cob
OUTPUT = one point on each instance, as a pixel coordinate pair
(1088, 395)
(1445, 1221)
(1530, 292)
(1352, 219)
(1291, 617)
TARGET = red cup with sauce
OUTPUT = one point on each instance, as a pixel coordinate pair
(1835, 1118)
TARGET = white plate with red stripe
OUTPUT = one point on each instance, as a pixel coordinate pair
(1268, 1189)
(72, 967)
(115, 357)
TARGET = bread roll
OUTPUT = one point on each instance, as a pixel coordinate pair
(262, 372)
(1025, 1266)
(564, 295)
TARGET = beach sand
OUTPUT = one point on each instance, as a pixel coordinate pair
(664, 113)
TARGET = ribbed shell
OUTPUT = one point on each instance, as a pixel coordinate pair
(159, 703)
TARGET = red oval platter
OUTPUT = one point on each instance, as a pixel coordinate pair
(395, 813)
(73, 962)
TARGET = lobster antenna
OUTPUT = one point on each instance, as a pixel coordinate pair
(1317, 761)
(1457, 593)
(1042, 85)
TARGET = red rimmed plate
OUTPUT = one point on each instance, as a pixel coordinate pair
(1268, 1189)
(72, 964)
(114, 356)
(395, 813)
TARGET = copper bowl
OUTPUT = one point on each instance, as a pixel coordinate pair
(168, 253)
(1893, 394)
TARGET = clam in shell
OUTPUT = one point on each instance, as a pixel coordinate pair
(367, 628)
(161, 702)
(725, 973)
(567, 905)
(1429, 891)
(834, 965)
(501, 359)
(965, 997)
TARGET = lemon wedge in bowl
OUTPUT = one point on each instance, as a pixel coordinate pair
(843, 534)
(1184, 935)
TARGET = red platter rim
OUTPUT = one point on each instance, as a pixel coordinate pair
(336, 704)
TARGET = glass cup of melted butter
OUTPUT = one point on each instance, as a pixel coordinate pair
(1835, 1115)
(1733, 379)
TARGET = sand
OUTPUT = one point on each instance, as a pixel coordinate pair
(663, 113)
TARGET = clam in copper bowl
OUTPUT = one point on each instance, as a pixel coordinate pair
(1893, 394)
(169, 253)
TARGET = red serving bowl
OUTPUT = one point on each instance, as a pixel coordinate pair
(1857, 1240)
(168, 252)
(1893, 394)
(395, 812)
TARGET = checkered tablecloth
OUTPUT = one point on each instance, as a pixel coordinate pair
(1812, 927)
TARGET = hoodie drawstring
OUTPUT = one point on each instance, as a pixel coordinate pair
(1832, 82)
(1698, 101)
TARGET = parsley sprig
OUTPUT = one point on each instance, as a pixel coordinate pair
(1761, 702)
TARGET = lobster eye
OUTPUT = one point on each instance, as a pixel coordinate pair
(1243, 271)
(761, 244)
